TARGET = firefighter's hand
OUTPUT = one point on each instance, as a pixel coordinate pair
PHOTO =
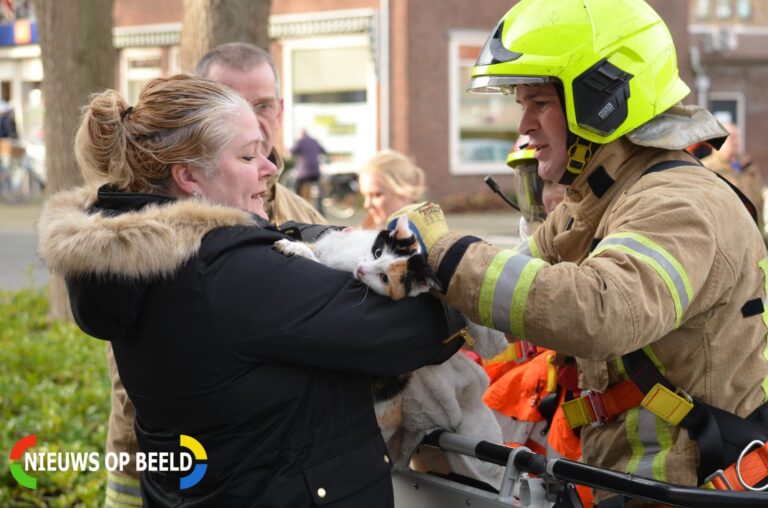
(427, 222)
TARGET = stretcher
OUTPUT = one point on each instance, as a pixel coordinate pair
(532, 480)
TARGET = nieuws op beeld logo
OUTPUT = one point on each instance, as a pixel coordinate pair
(23, 462)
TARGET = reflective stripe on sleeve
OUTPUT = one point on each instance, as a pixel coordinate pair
(504, 291)
(663, 263)
(764, 267)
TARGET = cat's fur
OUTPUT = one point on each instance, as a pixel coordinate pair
(389, 262)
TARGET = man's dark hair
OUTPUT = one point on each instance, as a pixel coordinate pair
(239, 56)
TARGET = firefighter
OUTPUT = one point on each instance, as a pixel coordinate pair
(651, 273)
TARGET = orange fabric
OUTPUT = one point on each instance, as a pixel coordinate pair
(622, 397)
(754, 469)
(561, 437)
(518, 391)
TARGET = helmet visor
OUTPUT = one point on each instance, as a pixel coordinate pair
(504, 84)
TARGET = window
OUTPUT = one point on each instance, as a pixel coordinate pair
(744, 9)
(330, 91)
(723, 9)
(728, 107)
(137, 66)
(703, 9)
(483, 128)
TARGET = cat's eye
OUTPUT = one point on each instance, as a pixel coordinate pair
(384, 278)
(377, 253)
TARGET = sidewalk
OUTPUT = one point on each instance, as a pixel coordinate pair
(20, 267)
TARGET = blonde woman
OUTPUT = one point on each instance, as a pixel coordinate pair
(388, 182)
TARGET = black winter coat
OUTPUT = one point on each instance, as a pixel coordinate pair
(265, 360)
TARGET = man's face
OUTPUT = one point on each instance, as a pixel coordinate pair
(543, 121)
(258, 87)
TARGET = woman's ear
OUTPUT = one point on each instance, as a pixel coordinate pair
(185, 180)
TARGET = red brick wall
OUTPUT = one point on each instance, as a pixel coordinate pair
(299, 6)
(146, 12)
(419, 83)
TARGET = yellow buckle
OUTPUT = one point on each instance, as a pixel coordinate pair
(551, 373)
(513, 353)
(666, 404)
(577, 413)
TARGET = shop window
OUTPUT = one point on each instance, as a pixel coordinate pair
(331, 93)
(483, 127)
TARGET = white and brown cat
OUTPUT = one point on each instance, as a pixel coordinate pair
(445, 396)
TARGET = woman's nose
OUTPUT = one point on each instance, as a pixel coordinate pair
(267, 168)
(367, 202)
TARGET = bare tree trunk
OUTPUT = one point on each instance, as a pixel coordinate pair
(208, 23)
(77, 55)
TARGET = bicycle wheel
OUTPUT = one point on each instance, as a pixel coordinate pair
(341, 207)
(18, 184)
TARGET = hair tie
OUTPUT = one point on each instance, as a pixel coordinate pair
(125, 113)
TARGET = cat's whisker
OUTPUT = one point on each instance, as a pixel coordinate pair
(365, 295)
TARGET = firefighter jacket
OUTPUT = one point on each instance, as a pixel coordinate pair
(741, 172)
(662, 261)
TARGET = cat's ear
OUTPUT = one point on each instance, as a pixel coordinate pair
(402, 229)
(424, 284)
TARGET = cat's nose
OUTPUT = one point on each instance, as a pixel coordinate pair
(359, 273)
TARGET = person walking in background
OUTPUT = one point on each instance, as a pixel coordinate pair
(307, 151)
(389, 181)
(733, 164)
(251, 72)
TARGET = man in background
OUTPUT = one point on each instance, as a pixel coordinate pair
(250, 71)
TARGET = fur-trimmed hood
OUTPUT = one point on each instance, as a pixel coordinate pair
(151, 242)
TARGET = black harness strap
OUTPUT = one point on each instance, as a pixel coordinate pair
(664, 165)
(600, 181)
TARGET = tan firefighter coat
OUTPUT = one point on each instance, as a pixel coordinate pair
(663, 262)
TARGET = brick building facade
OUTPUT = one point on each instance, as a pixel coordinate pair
(369, 74)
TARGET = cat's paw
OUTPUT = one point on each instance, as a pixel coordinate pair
(290, 248)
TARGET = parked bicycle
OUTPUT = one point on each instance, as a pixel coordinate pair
(334, 195)
(22, 176)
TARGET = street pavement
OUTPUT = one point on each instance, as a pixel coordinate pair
(20, 266)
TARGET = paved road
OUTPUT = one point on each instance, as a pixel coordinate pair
(20, 267)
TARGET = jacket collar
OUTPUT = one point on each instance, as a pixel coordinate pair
(86, 231)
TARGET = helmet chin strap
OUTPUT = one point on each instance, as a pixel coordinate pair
(580, 151)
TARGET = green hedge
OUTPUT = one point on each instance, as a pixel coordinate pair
(53, 383)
